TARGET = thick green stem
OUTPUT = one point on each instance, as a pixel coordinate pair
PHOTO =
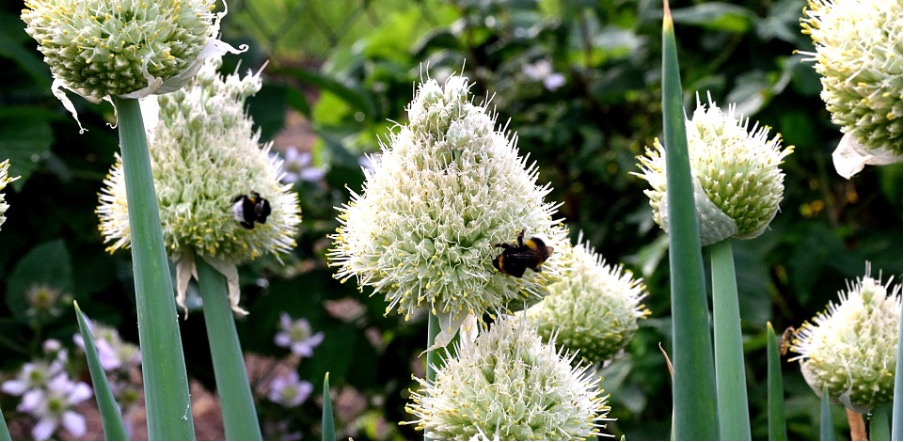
(239, 414)
(694, 389)
(826, 427)
(775, 398)
(731, 381)
(166, 384)
(433, 328)
(878, 423)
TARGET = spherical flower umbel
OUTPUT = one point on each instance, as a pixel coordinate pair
(447, 188)
(859, 57)
(594, 308)
(205, 154)
(737, 181)
(509, 385)
(130, 48)
(4, 180)
(850, 348)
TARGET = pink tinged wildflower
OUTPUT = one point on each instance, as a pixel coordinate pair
(289, 391)
(297, 166)
(297, 336)
(113, 352)
(53, 407)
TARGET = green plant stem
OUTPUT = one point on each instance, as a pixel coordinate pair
(694, 390)
(327, 423)
(878, 423)
(165, 381)
(731, 381)
(897, 413)
(239, 414)
(111, 419)
(775, 399)
(432, 359)
(826, 429)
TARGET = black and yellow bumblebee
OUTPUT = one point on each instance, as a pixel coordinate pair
(250, 208)
(515, 259)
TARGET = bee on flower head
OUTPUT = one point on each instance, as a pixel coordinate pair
(248, 209)
(517, 258)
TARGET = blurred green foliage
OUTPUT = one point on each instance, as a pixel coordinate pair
(577, 81)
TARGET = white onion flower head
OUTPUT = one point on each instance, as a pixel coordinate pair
(593, 309)
(446, 189)
(860, 58)
(850, 348)
(205, 153)
(4, 181)
(129, 49)
(509, 385)
(735, 170)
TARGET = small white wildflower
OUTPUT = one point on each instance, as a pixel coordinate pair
(205, 154)
(737, 181)
(859, 57)
(130, 49)
(510, 385)
(289, 391)
(850, 348)
(447, 188)
(297, 336)
(297, 167)
(53, 407)
(33, 376)
(593, 310)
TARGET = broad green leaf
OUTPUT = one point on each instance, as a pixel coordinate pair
(25, 139)
(716, 16)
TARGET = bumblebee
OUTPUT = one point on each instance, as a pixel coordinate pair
(515, 259)
(250, 208)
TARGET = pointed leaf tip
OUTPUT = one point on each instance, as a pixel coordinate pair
(666, 15)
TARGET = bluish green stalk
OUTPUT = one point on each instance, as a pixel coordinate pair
(163, 363)
(731, 381)
(432, 359)
(826, 428)
(878, 423)
(328, 427)
(239, 414)
(109, 410)
(897, 413)
(775, 400)
(4, 431)
(694, 389)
